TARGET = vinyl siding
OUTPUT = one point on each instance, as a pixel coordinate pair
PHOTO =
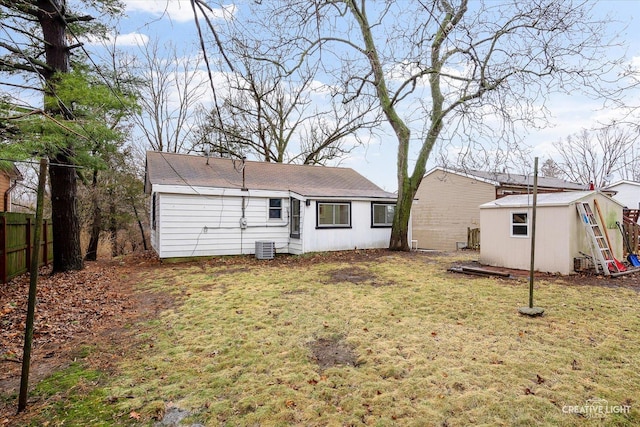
(447, 204)
(192, 225)
(5, 184)
(628, 194)
(360, 236)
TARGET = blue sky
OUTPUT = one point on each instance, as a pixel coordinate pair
(173, 21)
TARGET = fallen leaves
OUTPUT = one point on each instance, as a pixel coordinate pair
(67, 304)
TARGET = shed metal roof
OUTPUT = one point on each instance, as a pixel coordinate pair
(306, 180)
(544, 199)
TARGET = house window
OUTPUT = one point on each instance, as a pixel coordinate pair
(275, 208)
(295, 218)
(334, 215)
(153, 211)
(382, 214)
(519, 224)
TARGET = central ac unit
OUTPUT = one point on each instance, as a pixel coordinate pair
(265, 249)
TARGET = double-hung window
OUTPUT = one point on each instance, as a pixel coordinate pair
(382, 214)
(275, 208)
(154, 218)
(519, 224)
(334, 214)
(295, 218)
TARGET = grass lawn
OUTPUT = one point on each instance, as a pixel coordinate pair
(384, 339)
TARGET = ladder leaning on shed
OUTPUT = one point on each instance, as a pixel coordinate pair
(600, 250)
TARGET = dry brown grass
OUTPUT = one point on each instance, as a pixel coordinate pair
(429, 347)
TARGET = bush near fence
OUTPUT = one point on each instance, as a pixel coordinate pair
(16, 244)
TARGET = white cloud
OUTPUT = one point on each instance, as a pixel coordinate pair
(121, 40)
(132, 39)
(177, 10)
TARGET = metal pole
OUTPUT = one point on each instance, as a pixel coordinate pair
(31, 307)
(533, 230)
(531, 310)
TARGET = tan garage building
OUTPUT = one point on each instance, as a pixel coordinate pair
(447, 201)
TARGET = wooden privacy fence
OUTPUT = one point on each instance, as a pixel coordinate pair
(632, 231)
(473, 238)
(632, 228)
(16, 244)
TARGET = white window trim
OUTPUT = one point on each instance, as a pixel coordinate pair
(281, 208)
(512, 224)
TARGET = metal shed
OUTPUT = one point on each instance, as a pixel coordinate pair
(505, 227)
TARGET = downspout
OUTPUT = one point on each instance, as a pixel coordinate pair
(7, 194)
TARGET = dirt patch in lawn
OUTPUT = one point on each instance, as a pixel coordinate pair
(357, 276)
(329, 352)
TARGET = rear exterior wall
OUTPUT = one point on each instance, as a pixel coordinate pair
(446, 205)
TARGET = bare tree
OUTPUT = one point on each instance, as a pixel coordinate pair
(169, 89)
(440, 70)
(551, 169)
(596, 155)
(630, 169)
(284, 119)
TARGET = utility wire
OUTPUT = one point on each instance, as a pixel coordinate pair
(81, 45)
(52, 89)
(63, 165)
(40, 76)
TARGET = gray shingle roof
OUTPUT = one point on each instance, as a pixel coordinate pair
(525, 180)
(308, 181)
(512, 179)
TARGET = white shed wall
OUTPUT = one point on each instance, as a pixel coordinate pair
(499, 248)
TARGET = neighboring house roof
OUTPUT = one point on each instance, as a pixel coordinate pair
(11, 170)
(511, 179)
(623, 182)
(545, 199)
(306, 180)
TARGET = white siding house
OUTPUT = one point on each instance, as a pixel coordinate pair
(209, 206)
(505, 225)
(627, 193)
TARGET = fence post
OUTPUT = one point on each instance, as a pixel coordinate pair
(28, 242)
(3, 248)
(45, 251)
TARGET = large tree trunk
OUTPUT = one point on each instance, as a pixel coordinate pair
(400, 230)
(67, 253)
(96, 226)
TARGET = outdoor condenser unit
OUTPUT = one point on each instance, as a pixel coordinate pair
(265, 249)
